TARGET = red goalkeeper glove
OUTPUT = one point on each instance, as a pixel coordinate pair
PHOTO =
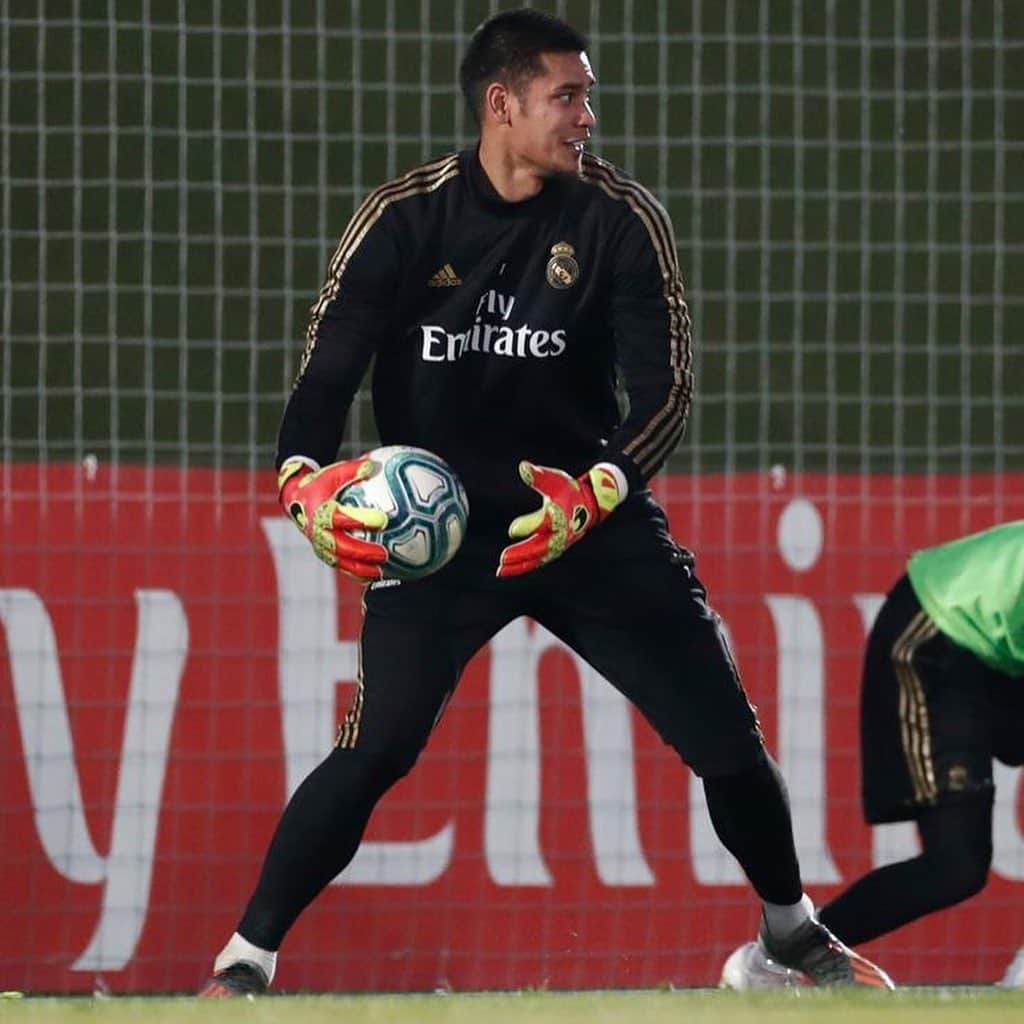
(310, 498)
(569, 508)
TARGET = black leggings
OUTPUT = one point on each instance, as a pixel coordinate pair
(956, 840)
(317, 836)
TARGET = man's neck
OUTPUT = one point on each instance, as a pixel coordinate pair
(513, 180)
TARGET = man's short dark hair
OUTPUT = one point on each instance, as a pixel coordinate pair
(507, 48)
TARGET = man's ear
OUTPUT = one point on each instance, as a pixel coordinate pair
(498, 103)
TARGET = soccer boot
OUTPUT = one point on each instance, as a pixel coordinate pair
(814, 950)
(237, 979)
(749, 968)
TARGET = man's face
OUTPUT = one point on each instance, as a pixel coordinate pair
(551, 119)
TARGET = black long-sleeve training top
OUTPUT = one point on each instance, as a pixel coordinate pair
(502, 331)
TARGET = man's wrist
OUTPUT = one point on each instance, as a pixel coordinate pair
(292, 470)
(301, 460)
(609, 486)
(621, 480)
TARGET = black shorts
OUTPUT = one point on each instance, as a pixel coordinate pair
(625, 598)
(933, 716)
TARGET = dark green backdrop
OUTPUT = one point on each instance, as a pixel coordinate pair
(844, 179)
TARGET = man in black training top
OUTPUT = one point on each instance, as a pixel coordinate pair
(505, 294)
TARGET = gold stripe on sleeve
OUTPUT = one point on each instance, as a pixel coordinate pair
(419, 181)
(663, 431)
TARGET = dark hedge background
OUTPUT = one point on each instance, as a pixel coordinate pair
(844, 179)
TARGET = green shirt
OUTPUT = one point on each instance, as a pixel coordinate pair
(973, 589)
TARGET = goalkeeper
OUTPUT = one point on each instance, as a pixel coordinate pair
(942, 695)
(523, 308)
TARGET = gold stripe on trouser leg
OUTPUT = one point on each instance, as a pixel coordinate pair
(915, 733)
(348, 732)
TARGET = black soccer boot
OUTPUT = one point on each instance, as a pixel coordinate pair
(237, 979)
(812, 949)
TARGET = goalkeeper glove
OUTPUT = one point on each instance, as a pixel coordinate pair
(310, 498)
(569, 508)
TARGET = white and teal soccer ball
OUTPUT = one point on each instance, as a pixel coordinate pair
(426, 506)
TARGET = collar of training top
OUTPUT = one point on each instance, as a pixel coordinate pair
(486, 194)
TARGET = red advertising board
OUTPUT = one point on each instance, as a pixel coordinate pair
(173, 660)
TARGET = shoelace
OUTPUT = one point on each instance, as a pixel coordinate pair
(816, 953)
(829, 963)
(247, 975)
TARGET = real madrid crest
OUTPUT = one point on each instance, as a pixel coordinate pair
(563, 271)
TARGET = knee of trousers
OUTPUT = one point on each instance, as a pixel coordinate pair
(960, 868)
(736, 758)
(368, 773)
(959, 880)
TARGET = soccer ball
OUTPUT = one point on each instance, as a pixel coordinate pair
(426, 506)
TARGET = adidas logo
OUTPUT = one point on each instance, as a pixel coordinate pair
(445, 278)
